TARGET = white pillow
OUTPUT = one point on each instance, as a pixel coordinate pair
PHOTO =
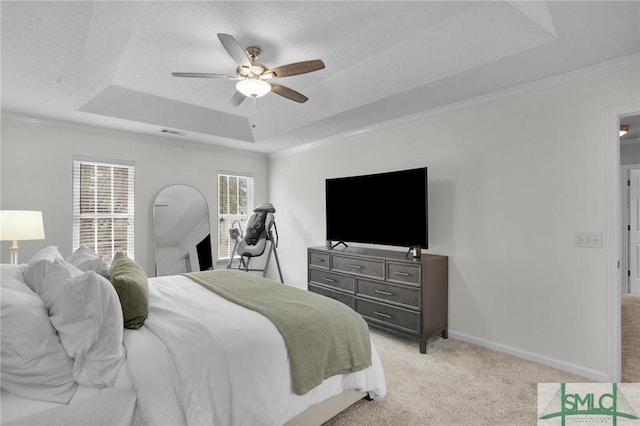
(55, 274)
(38, 264)
(34, 363)
(85, 310)
(13, 271)
(86, 259)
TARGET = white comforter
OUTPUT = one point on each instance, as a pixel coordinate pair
(202, 360)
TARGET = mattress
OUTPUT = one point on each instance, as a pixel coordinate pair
(89, 406)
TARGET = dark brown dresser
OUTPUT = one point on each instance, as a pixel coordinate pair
(390, 290)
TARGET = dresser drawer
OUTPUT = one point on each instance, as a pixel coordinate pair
(336, 295)
(407, 296)
(403, 273)
(354, 265)
(319, 260)
(332, 280)
(389, 315)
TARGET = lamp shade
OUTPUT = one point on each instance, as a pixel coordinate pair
(253, 87)
(21, 225)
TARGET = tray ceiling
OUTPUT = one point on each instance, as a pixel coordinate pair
(109, 64)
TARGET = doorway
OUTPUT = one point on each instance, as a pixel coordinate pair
(613, 244)
(630, 202)
(630, 193)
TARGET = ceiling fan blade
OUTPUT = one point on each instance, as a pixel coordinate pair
(234, 49)
(297, 68)
(288, 93)
(200, 75)
(236, 99)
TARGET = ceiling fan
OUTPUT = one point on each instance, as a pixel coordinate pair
(255, 79)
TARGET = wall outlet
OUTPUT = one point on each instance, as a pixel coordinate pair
(588, 239)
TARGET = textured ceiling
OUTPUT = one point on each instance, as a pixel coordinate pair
(109, 64)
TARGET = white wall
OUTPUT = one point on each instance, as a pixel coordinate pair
(510, 182)
(630, 154)
(36, 174)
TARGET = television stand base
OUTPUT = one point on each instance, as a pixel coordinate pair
(417, 252)
(338, 243)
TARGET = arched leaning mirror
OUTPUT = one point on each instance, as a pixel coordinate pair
(182, 232)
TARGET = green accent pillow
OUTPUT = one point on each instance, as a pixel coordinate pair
(132, 287)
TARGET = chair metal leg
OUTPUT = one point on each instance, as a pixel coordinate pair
(275, 252)
(266, 265)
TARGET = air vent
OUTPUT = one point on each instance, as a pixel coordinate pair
(173, 132)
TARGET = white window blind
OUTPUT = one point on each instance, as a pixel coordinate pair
(103, 207)
(235, 203)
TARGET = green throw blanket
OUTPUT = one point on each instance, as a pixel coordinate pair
(323, 337)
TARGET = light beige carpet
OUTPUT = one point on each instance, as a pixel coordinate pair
(455, 383)
(631, 338)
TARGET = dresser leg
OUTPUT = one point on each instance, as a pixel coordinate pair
(423, 345)
(444, 333)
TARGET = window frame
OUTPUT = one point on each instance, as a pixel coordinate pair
(223, 231)
(77, 162)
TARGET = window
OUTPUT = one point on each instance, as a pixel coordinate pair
(235, 203)
(103, 207)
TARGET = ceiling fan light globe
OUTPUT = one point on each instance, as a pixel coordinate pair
(253, 87)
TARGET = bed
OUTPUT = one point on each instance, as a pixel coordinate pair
(197, 358)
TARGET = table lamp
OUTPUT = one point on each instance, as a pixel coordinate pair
(20, 225)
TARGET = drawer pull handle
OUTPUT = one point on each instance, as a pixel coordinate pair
(404, 274)
(319, 260)
(382, 315)
(386, 293)
(329, 280)
(354, 266)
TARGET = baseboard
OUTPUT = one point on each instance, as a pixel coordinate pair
(529, 356)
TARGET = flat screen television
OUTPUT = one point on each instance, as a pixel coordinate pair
(385, 208)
